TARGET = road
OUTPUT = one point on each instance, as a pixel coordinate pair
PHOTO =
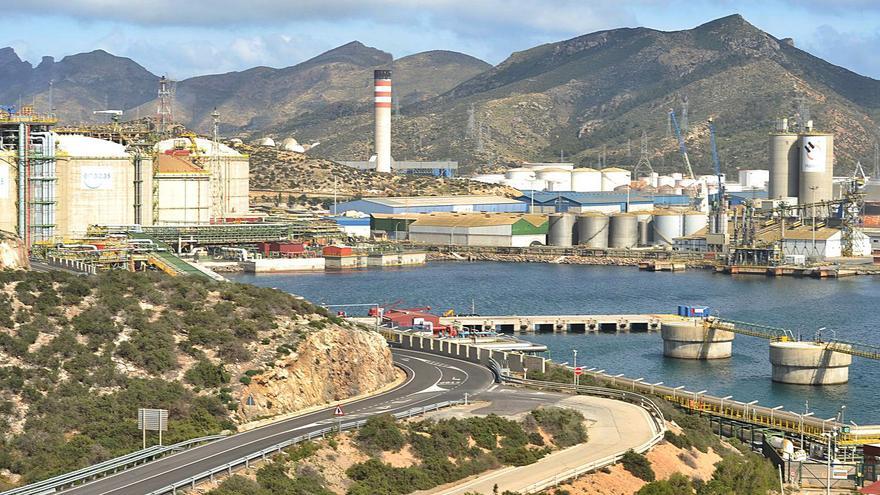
(430, 379)
(616, 427)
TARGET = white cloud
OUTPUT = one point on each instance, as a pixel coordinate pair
(855, 51)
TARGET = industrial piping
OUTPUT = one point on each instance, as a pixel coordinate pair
(382, 104)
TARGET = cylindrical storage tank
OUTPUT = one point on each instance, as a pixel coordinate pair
(558, 179)
(646, 219)
(808, 363)
(291, 144)
(489, 178)
(665, 180)
(817, 169)
(586, 180)
(614, 177)
(8, 191)
(694, 221)
(624, 231)
(561, 230)
(688, 339)
(643, 233)
(592, 230)
(784, 169)
(667, 226)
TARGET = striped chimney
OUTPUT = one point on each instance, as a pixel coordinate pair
(382, 100)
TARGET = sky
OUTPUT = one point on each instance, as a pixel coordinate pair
(195, 37)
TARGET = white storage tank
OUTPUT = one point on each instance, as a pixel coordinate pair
(665, 180)
(592, 230)
(545, 165)
(624, 231)
(614, 177)
(586, 180)
(266, 141)
(291, 144)
(558, 179)
(694, 221)
(668, 225)
(488, 178)
(96, 185)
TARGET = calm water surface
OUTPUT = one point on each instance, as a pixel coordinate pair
(849, 306)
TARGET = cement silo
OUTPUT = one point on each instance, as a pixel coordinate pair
(667, 226)
(558, 179)
(561, 229)
(8, 191)
(694, 221)
(592, 230)
(784, 165)
(586, 180)
(614, 177)
(96, 185)
(817, 168)
(624, 231)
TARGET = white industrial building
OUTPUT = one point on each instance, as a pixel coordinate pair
(825, 243)
(480, 229)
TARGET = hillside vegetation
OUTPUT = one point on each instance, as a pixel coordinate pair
(81, 354)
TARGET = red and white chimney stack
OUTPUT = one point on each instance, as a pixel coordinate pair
(382, 102)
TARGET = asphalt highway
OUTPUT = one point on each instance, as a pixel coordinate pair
(430, 379)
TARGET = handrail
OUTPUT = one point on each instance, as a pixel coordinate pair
(277, 448)
(101, 469)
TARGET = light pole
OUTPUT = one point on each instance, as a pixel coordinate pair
(806, 415)
(813, 214)
(574, 371)
(726, 397)
(840, 414)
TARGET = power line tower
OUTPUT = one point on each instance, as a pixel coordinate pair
(164, 113)
(644, 159)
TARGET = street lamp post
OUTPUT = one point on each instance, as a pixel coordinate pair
(813, 214)
(574, 368)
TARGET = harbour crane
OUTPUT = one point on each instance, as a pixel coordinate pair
(681, 146)
(721, 204)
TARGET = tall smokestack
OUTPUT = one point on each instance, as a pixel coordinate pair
(382, 81)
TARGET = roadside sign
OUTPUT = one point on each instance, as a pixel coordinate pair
(839, 473)
(153, 419)
(338, 411)
(578, 371)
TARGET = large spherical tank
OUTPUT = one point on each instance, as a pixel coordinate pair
(665, 180)
(784, 168)
(694, 221)
(667, 226)
(613, 178)
(8, 191)
(817, 168)
(290, 144)
(266, 141)
(586, 180)
(592, 230)
(558, 179)
(561, 229)
(624, 231)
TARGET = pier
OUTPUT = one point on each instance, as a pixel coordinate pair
(515, 324)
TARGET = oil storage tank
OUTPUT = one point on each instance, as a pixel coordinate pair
(561, 229)
(784, 165)
(614, 177)
(558, 179)
(668, 225)
(694, 221)
(586, 180)
(816, 168)
(624, 231)
(592, 230)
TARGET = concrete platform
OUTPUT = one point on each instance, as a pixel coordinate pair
(623, 323)
(808, 363)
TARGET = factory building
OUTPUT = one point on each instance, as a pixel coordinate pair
(434, 204)
(480, 229)
(605, 202)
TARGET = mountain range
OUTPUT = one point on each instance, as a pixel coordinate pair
(589, 99)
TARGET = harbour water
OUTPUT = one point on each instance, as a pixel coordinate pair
(847, 306)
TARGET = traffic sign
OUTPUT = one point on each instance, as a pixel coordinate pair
(338, 411)
(578, 371)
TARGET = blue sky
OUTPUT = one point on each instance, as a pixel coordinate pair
(192, 37)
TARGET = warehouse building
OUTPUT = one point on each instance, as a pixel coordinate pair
(480, 229)
(392, 225)
(434, 204)
(604, 202)
(825, 243)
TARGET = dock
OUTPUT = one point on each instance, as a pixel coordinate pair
(663, 266)
(514, 324)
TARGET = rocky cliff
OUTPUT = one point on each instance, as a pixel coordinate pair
(13, 254)
(329, 365)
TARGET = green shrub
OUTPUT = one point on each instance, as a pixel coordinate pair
(565, 426)
(244, 379)
(207, 375)
(381, 433)
(239, 485)
(677, 484)
(750, 474)
(638, 465)
(680, 441)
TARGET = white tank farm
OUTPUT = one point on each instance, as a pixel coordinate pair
(95, 185)
(543, 166)
(624, 232)
(291, 144)
(784, 165)
(558, 179)
(694, 221)
(614, 177)
(488, 178)
(592, 230)
(586, 180)
(8, 191)
(229, 173)
(667, 226)
(561, 230)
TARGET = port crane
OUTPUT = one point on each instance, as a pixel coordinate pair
(721, 204)
(681, 145)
